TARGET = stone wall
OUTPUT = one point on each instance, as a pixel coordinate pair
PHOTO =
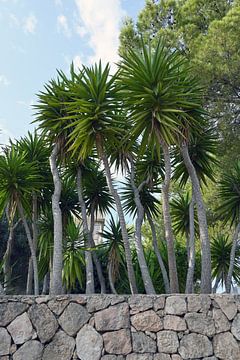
(110, 327)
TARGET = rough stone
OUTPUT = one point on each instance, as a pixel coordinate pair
(194, 346)
(113, 318)
(31, 350)
(235, 329)
(140, 357)
(162, 356)
(226, 347)
(118, 342)
(173, 322)
(147, 321)
(112, 357)
(143, 343)
(227, 305)
(139, 303)
(60, 348)
(210, 358)
(176, 357)
(9, 311)
(42, 299)
(200, 323)
(5, 342)
(159, 303)
(73, 318)
(176, 305)
(167, 341)
(57, 307)
(44, 322)
(221, 321)
(198, 303)
(98, 303)
(21, 329)
(89, 343)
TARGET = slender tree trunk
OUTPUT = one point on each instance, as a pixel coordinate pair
(206, 281)
(216, 284)
(56, 286)
(232, 259)
(96, 260)
(191, 252)
(29, 287)
(1, 289)
(172, 265)
(46, 282)
(114, 193)
(90, 289)
(147, 281)
(31, 246)
(111, 282)
(158, 255)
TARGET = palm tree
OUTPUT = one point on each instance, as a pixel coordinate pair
(221, 246)
(36, 149)
(114, 251)
(229, 192)
(95, 123)
(202, 152)
(18, 180)
(154, 98)
(51, 110)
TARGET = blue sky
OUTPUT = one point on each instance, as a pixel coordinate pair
(39, 36)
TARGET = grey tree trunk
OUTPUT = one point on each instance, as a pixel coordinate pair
(172, 266)
(96, 261)
(206, 281)
(114, 193)
(191, 252)
(232, 259)
(31, 246)
(1, 289)
(111, 282)
(46, 282)
(29, 287)
(56, 285)
(147, 281)
(216, 284)
(158, 255)
(90, 288)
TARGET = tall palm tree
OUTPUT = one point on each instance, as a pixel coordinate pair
(95, 125)
(36, 149)
(18, 180)
(153, 97)
(202, 152)
(51, 109)
(229, 192)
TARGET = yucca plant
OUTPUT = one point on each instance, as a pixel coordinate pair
(229, 211)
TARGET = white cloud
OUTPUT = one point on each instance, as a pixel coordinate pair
(30, 23)
(101, 19)
(4, 80)
(14, 21)
(5, 134)
(77, 62)
(58, 2)
(63, 25)
(27, 104)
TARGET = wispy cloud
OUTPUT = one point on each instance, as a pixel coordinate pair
(63, 26)
(30, 23)
(77, 61)
(101, 19)
(5, 133)
(4, 80)
(58, 2)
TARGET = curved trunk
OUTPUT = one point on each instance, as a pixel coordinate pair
(96, 261)
(31, 246)
(90, 289)
(172, 266)
(147, 281)
(232, 259)
(29, 287)
(114, 193)
(206, 281)
(56, 285)
(191, 252)
(158, 255)
(111, 282)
